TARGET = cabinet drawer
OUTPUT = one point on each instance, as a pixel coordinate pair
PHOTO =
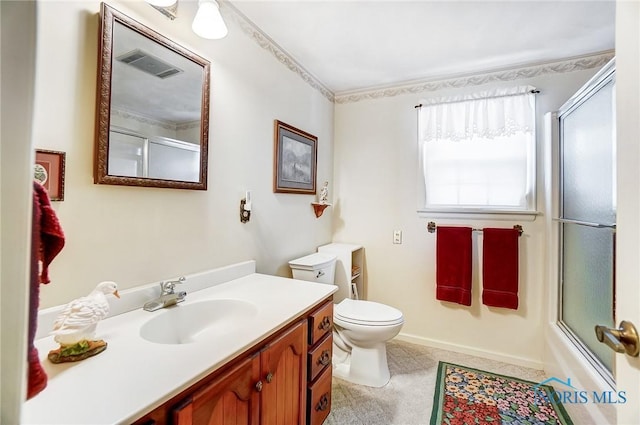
(320, 322)
(319, 399)
(320, 357)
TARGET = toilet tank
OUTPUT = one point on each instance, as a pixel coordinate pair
(318, 267)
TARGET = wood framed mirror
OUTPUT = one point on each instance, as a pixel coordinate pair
(152, 112)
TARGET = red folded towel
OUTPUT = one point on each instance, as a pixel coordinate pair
(51, 234)
(500, 268)
(47, 239)
(453, 264)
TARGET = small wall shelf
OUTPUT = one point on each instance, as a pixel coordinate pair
(349, 269)
(319, 208)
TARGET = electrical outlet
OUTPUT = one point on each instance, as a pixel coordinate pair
(397, 236)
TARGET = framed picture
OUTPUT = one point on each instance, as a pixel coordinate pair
(49, 171)
(295, 160)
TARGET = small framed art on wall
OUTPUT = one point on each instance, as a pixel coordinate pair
(295, 160)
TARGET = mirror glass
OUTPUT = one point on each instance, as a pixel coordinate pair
(153, 108)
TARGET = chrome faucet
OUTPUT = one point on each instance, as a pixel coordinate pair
(168, 296)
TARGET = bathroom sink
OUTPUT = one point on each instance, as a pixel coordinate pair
(202, 320)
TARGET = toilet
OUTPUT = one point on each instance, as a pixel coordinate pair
(361, 328)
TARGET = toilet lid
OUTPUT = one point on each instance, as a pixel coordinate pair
(317, 260)
(367, 313)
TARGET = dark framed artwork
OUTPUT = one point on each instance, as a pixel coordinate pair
(49, 172)
(295, 160)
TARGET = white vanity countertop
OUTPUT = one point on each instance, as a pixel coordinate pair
(133, 376)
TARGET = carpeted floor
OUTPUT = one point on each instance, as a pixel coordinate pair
(407, 398)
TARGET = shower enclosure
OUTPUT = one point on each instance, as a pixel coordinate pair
(587, 219)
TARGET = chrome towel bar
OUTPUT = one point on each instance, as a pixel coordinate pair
(431, 228)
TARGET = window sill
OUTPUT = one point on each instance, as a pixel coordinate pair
(479, 214)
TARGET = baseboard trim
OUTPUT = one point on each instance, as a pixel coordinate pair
(491, 355)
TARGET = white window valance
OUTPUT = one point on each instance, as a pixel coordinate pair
(488, 114)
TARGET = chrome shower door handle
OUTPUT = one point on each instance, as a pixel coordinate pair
(621, 340)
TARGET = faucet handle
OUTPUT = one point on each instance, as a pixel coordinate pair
(181, 279)
(168, 287)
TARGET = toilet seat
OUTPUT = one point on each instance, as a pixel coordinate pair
(368, 313)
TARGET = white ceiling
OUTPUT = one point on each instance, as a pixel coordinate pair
(362, 44)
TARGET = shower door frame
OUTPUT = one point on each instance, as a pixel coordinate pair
(605, 76)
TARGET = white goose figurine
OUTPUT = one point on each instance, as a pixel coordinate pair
(78, 320)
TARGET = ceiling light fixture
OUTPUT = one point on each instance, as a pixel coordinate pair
(208, 22)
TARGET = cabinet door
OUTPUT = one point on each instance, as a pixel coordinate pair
(284, 374)
(231, 399)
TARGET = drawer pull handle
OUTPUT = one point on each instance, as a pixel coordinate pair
(325, 324)
(323, 404)
(259, 386)
(325, 358)
(269, 377)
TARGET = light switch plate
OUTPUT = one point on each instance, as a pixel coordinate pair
(397, 236)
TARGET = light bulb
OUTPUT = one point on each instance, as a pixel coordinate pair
(208, 22)
(162, 3)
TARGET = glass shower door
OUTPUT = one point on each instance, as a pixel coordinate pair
(587, 217)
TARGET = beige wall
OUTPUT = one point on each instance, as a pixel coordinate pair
(375, 166)
(137, 235)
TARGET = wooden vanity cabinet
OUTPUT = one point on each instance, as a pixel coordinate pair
(319, 364)
(269, 385)
(267, 388)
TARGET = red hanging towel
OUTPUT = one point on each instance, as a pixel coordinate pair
(453, 264)
(51, 234)
(47, 239)
(500, 268)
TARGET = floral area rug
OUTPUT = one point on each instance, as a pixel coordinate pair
(466, 396)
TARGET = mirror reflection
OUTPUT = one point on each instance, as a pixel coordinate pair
(157, 110)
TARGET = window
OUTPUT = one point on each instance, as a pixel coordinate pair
(478, 152)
